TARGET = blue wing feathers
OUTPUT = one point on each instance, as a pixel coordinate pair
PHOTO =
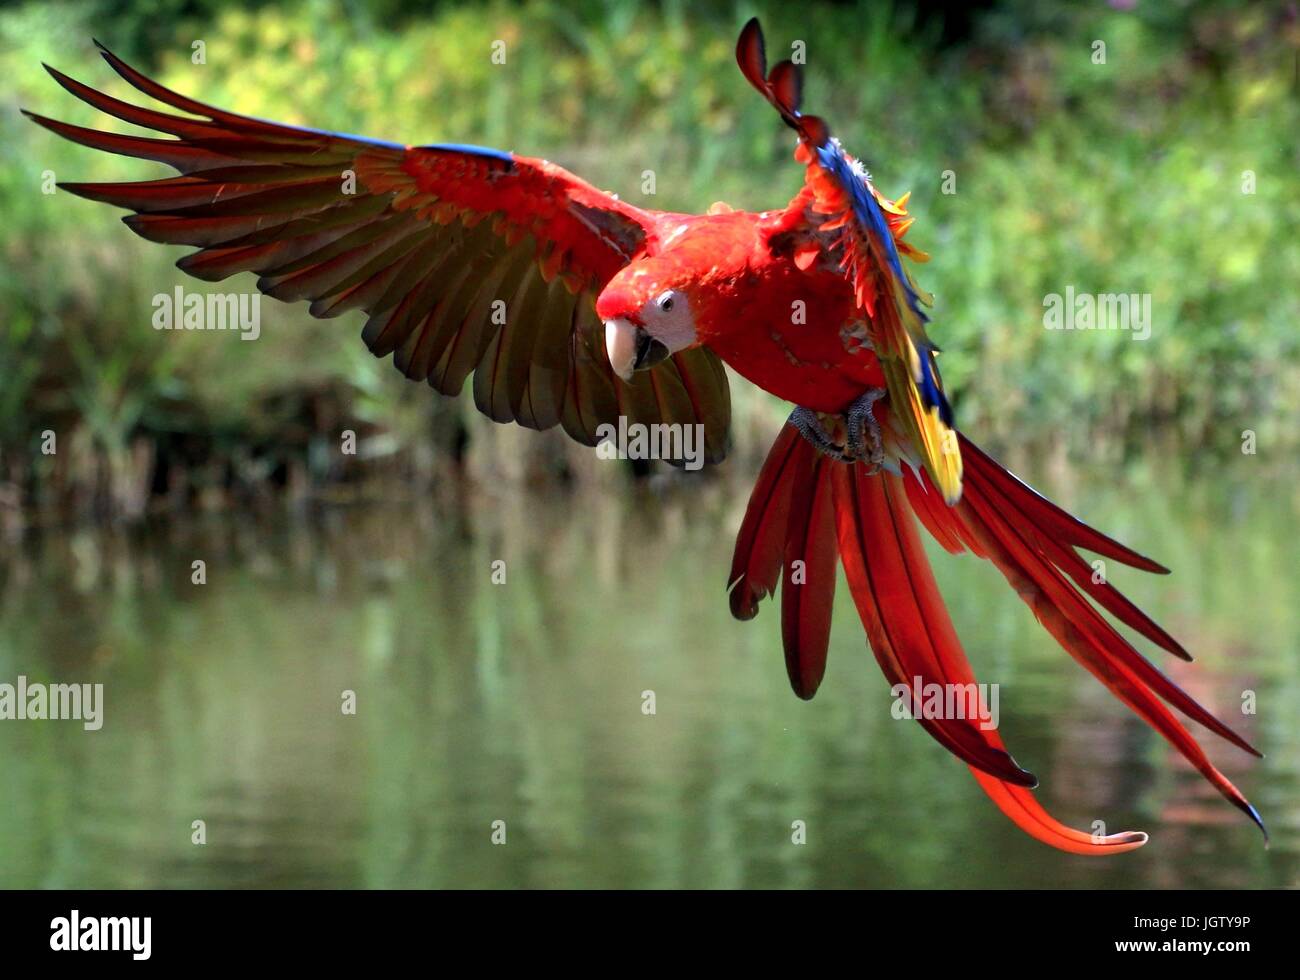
(872, 218)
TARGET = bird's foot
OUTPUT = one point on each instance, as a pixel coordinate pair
(851, 437)
(811, 426)
(865, 441)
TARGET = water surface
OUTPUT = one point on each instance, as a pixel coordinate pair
(522, 702)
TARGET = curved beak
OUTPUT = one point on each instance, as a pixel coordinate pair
(630, 348)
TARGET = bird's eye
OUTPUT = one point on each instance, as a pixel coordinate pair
(666, 302)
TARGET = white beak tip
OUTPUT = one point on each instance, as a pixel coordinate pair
(620, 345)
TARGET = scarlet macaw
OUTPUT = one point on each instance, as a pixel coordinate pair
(433, 235)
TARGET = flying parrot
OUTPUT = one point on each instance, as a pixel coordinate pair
(616, 312)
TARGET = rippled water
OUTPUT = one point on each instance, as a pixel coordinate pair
(522, 703)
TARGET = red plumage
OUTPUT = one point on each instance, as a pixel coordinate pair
(811, 302)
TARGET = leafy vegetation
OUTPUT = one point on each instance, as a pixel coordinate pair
(1122, 177)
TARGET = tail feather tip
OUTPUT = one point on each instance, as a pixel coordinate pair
(1248, 808)
(1134, 838)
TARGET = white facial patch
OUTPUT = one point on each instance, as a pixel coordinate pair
(668, 319)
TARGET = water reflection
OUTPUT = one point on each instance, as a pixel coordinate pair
(522, 703)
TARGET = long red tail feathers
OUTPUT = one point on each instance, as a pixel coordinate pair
(806, 510)
(809, 557)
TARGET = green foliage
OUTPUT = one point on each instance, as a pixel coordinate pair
(1122, 177)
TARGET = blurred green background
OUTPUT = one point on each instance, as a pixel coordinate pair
(1122, 177)
(522, 702)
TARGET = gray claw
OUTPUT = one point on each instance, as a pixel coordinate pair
(863, 443)
(864, 440)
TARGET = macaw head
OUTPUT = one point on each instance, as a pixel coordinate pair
(646, 308)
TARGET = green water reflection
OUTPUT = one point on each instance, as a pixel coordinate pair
(522, 702)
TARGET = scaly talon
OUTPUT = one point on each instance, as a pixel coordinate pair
(863, 441)
(810, 427)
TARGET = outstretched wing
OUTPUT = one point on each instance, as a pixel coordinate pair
(467, 260)
(840, 215)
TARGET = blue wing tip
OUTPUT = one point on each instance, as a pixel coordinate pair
(478, 151)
